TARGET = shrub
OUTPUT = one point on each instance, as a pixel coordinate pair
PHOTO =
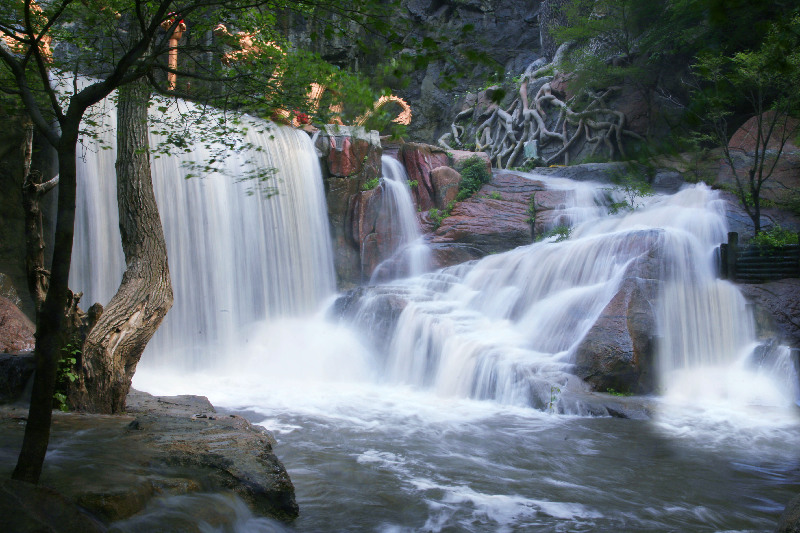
(774, 237)
(370, 184)
(473, 176)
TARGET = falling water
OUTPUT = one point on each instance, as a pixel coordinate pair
(412, 255)
(236, 256)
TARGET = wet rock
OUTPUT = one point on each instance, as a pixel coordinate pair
(419, 160)
(618, 352)
(16, 329)
(15, 372)
(602, 404)
(789, 521)
(27, 508)
(233, 453)
(777, 309)
(600, 172)
(113, 466)
(375, 310)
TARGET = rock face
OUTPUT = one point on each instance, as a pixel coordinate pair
(350, 158)
(114, 466)
(507, 31)
(445, 181)
(15, 372)
(619, 350)
(419, 161)
(16, 329)
(496, 219)
(777, 309)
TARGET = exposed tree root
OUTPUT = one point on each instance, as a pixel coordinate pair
(547, 120)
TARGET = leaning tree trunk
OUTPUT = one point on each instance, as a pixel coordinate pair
(115, 344)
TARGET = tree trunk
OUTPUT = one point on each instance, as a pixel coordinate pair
(51, 317)
(115, 344)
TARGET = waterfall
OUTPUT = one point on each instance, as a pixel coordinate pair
(236, 255)
(412, 255)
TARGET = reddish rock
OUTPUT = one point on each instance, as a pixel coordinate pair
(445, 181)
(779, 187)
(486, 224)
(351, 157)
(372, 230)
(419, 160)
(560, 86)
(16, 329)
(460, 156)
(346, 156)
(746, 137)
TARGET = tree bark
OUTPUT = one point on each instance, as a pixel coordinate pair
(115, 344)
(38, 276)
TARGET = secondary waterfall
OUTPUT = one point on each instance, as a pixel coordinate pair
(411, 256)
(236, 256)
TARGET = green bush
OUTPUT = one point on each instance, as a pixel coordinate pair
(370, 184)
(473, 176)
(774, 237)
(438, 216)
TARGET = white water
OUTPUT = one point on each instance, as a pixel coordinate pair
(235, 255)
(412, 255)
(402, 437)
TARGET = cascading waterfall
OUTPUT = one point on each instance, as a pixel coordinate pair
(506, 327)
(412, 255)
(235, 255)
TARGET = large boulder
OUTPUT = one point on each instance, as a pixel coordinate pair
(618, 352)
(16, 329)
(445, 181)
(782, 185)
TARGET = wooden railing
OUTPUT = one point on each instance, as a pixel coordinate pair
(755, 264)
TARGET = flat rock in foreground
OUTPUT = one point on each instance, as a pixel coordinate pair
(114, 466)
